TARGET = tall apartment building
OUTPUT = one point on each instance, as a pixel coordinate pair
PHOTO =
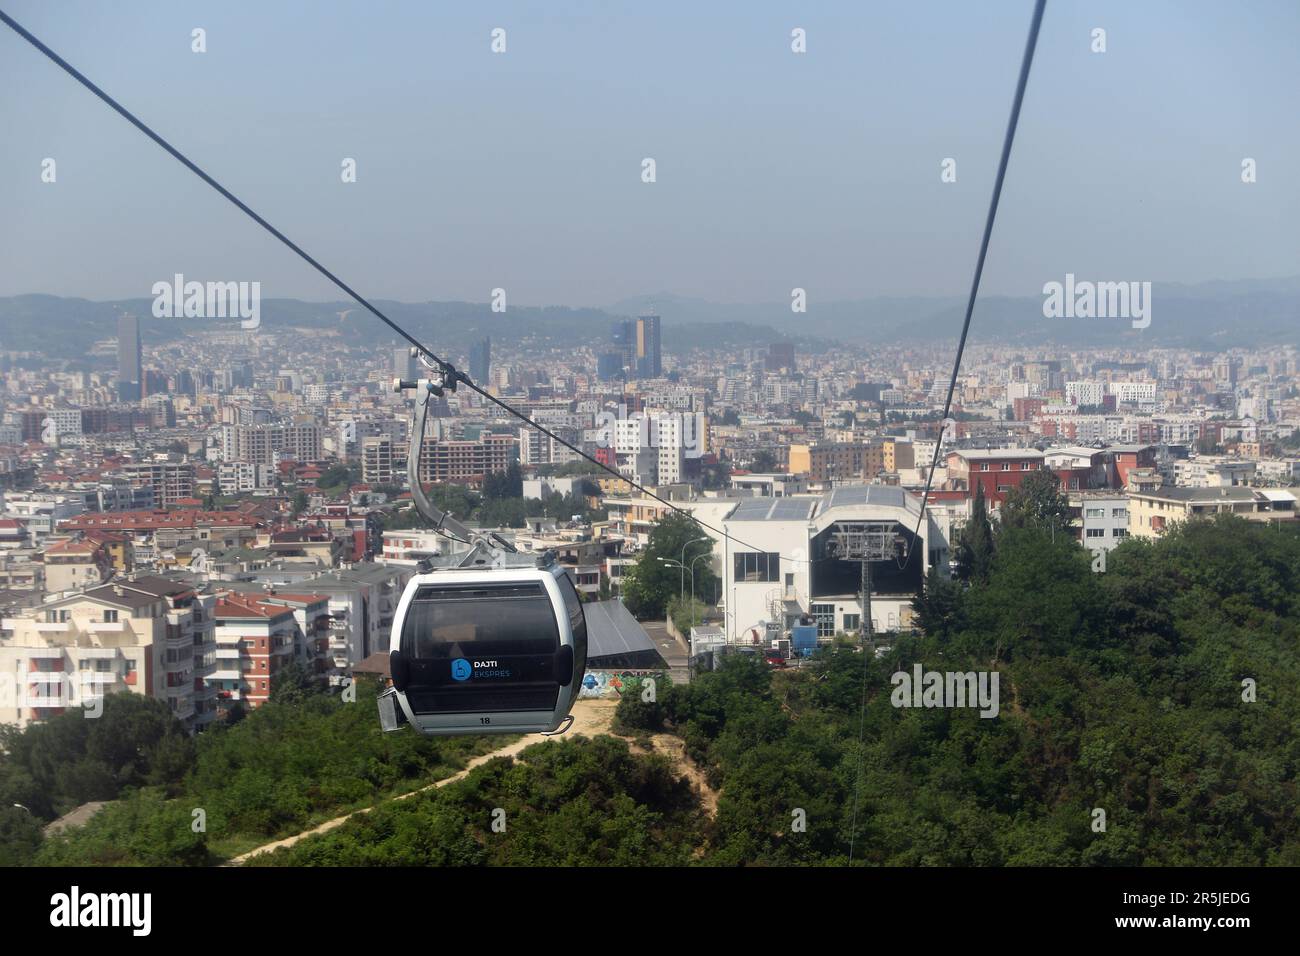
(899, 453)
(148, 636)
(480, 360)
(835, 461)
(256, 640)
(622, 336)
(169, 480)
(657, 449)
(405, 365)
(238, 477)
(67, 423)
(536, 448)
(780, 357)
(649, 357)
(466, 462)
(261, 444)
(1084, 393)
(129, 376)
(377, 457)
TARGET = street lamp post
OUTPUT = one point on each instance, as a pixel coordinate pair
(693, 560)
(681, 591)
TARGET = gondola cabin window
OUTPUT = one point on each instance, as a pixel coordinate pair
(477, 620)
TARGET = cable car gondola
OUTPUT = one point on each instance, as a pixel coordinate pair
(495, 645)
(501, 649)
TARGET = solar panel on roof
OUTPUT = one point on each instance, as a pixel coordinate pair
(792, 509)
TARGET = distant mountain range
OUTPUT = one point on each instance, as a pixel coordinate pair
(1211, 315)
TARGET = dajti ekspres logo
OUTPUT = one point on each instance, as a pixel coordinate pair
(179, 299)
(462, 669)
(1098, 300)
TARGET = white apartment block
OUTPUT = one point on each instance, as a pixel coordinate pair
(1099, 518)
(1133, 393)
(147, 636)
(1084, 393)
(237, 477)
(267, 444)
(1213, 471)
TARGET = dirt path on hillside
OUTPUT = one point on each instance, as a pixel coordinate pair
(591, 718)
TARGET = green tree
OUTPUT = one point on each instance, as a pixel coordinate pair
(20, 835)
(975, 542)
(686, 613)
(651, 582)
(338, 476)
(507, 484)
(938, 605)
(716, 474)
(1038, 501)
(293, 683)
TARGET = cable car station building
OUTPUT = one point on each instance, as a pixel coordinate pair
(803, 556)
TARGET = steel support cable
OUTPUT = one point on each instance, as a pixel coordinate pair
(1026, 61)
(451, 373)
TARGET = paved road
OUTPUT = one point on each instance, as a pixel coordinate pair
(675, 652)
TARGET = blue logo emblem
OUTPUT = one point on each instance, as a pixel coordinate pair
(460, 669)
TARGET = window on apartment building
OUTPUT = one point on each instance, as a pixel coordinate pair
(984, 466)
(110, 616)
(1096, 512)
(1006, 466)
(1119, 512)
(1121, 532)
(1096, 532)
(852, 623)
(757, 566)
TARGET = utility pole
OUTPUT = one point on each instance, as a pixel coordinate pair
(865, 626)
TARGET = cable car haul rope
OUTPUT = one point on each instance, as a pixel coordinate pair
(499, 644)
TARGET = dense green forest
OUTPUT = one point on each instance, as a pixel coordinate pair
(1120, 691)
(1162, 692)
(287, 766)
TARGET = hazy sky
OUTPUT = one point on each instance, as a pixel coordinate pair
(523, 170)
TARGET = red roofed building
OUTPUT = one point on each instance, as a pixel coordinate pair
(13, 533)
(142, 521)
(256, 640)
